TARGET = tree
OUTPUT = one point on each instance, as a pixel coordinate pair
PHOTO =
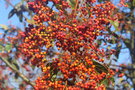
(65, 40)
(73, 28)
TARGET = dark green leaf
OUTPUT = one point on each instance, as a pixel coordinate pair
(112, 41)
(105, 82)
(118, 50)
(99, 42)
(20, 15)
(128, 43)
(99, 67)
(10, 59)
(115, 59)
(11, 13)
(33, 67)
(18, 10)
(100, 1)
(112, 79)
(24, 8)
(16, 75)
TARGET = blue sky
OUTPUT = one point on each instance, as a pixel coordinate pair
(4, 14)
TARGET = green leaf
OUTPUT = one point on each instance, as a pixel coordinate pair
(112, 79)
(115, 24)
(100, 1)
(72, 3)
(133, 2)
(1, 48)
(18, 10)
(129, 4)
(8, 47)
(33, 67)
(53, 77)
(4, 27)
(113, 40)
(20, 15)
(99, 67)
(105, 82)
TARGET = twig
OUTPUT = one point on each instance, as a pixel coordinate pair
(20, 74)
(124, 67)
(14, 7)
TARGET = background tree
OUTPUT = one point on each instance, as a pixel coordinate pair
(121, 38)
(15, 72)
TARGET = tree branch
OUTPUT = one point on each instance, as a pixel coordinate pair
(14, 7)
(20, 74)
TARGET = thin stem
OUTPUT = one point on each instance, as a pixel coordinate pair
(16, 71)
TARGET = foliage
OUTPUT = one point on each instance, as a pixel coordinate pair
(66, 41)
(78, 63)
(11, 65)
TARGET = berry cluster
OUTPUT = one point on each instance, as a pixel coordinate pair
(75, 65)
